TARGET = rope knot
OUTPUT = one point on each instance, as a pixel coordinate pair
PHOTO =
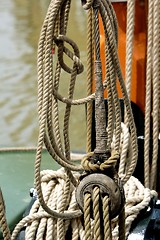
(93, 162)
(75, 56)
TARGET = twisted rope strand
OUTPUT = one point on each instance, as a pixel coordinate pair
(148, 96)
(3, 221)
(87, 216)
(129, 43)
(155, 111)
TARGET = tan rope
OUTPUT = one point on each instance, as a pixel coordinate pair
(94, 167)
(90, 54)
(106, 219)
(3, 221)
(156, 79)
(129, 43)
(96, 213)
(53, 182)
(112, 48)
(148, 96)
(152, 96)
(87, 216)
(46, 103)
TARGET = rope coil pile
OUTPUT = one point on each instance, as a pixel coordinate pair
(41, 225)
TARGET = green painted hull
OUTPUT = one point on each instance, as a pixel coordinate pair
(16, 179)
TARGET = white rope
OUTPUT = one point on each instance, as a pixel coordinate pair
(41, 225)
(137, 198)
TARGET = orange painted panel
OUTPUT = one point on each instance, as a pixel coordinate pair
(139, 48)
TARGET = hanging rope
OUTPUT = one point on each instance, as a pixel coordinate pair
(152, 96)
(54, 35)
(90, 75)
(148, 96)
(3, 221)
(156, 79)
(129, 43)
(46, 89)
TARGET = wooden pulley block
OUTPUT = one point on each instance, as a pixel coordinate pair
(107, 187)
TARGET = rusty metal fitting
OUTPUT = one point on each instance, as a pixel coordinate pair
(107, 187)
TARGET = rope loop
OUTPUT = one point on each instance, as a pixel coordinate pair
(90, 166)
(59, 41)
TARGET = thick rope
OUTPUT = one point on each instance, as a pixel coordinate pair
(45, 102)
(53, 182)
(129, 43)
(106, 221)
(3, 221)
(156, 79)
(112, 48)
(152, 96)
(137, 198)
(90, 68)
(96, 213)
(87, 216)
(148, 98)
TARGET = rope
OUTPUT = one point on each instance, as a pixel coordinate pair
(137, 198)
(148, 96)
(87, 216)
(3, 221)
(152, 96)
(155, 111)
(106, 221)
(112, 47)
(90, 66)
(96, 213)
(59, 195)
(129, 43)
(94, 167)
(54, 32)
(46, 85)
(40, 223)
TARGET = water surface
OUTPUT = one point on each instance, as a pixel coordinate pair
(20, 25)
